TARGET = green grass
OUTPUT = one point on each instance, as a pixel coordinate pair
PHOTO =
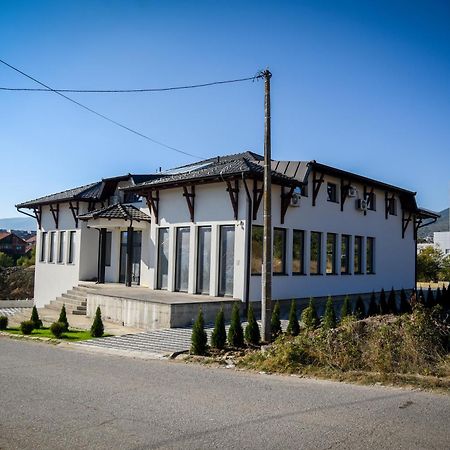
(71, 335)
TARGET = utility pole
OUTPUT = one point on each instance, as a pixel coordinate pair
(266, 297)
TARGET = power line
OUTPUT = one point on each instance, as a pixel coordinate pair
(125, 91)
(87, 108)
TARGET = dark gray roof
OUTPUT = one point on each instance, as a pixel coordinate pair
(117, 211)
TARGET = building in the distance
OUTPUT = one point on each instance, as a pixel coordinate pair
(441, 240)
(194, 234)
(12, 245)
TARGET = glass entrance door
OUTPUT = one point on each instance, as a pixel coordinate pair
(136, 259)
(163, 258)
(182, 259)
(203, 260)
(226, 260)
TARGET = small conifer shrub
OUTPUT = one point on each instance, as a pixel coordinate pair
(57, 329)
(405, 306)
(383, 306)
(235, 332)
(310, 318)
(346, 308)
(360, 309)
(252, 334)
(199, 339)
(430, 298)
(373, 307)
(293, 328)
(35, 318)
(97, 328)
(3, 323)
(219, 336)
(420, 297)
(63, 318)
(275, 322)
(26, 327)
(438, 299)
(329, 318)
(392, 302)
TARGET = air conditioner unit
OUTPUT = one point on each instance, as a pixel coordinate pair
(362, 205)
(295, 199)
(352, 191)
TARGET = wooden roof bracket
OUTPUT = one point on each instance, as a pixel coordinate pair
(153, 203)
(55, 213)
(285, 201)
(75, 209)
(405, 222)
(317, 183)
(37, 214)
(257, 197)
(234, 196)
(190, 200)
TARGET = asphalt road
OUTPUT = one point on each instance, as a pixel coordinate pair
(61, 398)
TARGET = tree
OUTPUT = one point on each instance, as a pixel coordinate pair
(373, 307)
(346, 308)
(35, 318)
(199, 339)
(97, 328)
(235, 332)
(405, 306)
(329, 318)
(293, 328)
(360, 310)
(275, 322)
(252, 335)
(430, 298)
(219, 336)
(429, 264)
(392, 302)
(5, 260)
(383, 306)
(63, 318)
(309, 315)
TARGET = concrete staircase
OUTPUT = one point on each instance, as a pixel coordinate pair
(74, 299)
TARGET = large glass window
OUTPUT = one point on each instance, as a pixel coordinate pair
(279, 251)
(71, 255)
(163, 258)
(332, 192)
(108, 244)
(51, 253)
(357, 266)
(226, 260)
(371, 201)
(62, 246)
(43, 246)
(331, 253)
(203, 260)
(257, 249)
(370, 253)
(182, 259)
(345, 254)
(315, 250)
(298, 252)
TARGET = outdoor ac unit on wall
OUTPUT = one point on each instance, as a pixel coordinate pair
(361, 204)
(352, 191)
(295, 199)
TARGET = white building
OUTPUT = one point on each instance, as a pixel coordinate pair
(197, 229)
(441, 240)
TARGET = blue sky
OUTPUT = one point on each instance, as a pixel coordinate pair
(361, 85)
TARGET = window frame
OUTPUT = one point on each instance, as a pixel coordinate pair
(302, 252)
(108, 244)
(358, 255)
(319, 253)
(43, 249)
(61, 247)
(51, 247)
(252, 251)
(372, 255)
(283, 259)
(71, 244)
(334, 255)
(371, 200)
(333, 187)
(347, 239)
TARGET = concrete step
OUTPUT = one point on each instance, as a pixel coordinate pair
(79, 313)
(56, 306)
(70, 301)
(88, 285)
(74, 296)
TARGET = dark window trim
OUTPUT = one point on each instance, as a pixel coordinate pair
(319, 261)
(348, 253)
(70, 253)
(336, 197)
(334, 265)
(284, 230)
(158, 254)
(303, 271)
(372, 272)
(358, 271)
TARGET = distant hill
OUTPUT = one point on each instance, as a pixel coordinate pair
(18, 223)
(442, 224)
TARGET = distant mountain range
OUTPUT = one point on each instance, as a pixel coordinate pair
(18, 223)
(442, 224)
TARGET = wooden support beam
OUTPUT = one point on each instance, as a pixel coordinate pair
(190, 200)
(75, 209)
(285, 200)
(55, 213)
(405, 222)
(152, 198)
(234, 196)
(38, 215)
(344, 192)
(257, 197)
(317, 183)
(387, 203)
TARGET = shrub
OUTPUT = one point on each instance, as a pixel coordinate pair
(293, 328)
(219, 336)
(360, 310)
(57, 329)
(346, 309)
(26, 327)
(373, 307)
(438, 299)
(309, 316)
(329, 318)
(35, 318)
(3, 323)
(420, 298)
(252, 335)
(275, 322)
(392, 302)
(405, 306)
(97, 328)
(63, 318)
(430, 298)
(383, 306)
(199, 339)
(235, 332)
